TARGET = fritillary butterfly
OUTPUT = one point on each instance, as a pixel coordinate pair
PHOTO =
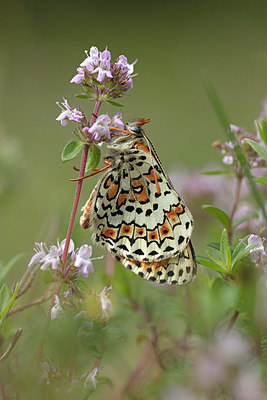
(137, 215)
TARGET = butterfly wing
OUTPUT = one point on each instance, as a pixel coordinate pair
(133, 216)
(177, 270)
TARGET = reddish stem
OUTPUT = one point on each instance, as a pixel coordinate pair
(79, 187)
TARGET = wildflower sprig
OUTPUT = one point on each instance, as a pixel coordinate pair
(101, 81)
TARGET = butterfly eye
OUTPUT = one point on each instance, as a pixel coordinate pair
(135, 129)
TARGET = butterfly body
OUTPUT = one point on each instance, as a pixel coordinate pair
(136, 214)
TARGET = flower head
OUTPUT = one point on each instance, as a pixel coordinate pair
(68, 113)
(115, 78)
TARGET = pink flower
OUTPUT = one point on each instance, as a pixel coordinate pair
(100, 130)
(256, 252)
(68, 113)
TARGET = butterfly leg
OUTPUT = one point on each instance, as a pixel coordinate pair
(96, 171)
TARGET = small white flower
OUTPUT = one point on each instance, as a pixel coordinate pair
(258, 250)
(83, 261)
(228, 159)
(106, 304)
(91, 377)
(56, 308)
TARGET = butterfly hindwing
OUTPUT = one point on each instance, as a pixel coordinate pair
(177, 270)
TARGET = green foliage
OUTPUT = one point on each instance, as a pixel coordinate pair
(262, 129)
(6, 301)
(262, 180)
(114, 103)
(219, 172)
(258, 148)
(93, 159)
(228, 260)
(71, 150)
(219, 214)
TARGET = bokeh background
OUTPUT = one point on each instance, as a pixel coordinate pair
(177, 45)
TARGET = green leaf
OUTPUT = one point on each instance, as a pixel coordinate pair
(216, 260)
(71, 150)
(258, 148)
(225, 249)
(216, 172)
(219, 214)
(262, 128)
(6, 268)
(262, 180)
(85, 97)
(209, 264)
(239, 221)
(4, 298)
(6, 301)
(114, 103)
(214, 245)
(94, 154)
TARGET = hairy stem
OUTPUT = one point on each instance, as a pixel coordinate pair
(79, 188)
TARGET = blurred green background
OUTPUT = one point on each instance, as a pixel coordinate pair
(177, 44)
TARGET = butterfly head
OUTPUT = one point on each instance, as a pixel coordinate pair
(131, 132)
(135, 127)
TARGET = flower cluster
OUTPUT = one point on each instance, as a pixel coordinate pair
(227, 148)
(99, 76)
(80, 260)
(69, 113)
(100, 130)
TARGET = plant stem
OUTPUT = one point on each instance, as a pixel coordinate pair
(232, 321)
(236, 201)
(12, 344)
(79, 187)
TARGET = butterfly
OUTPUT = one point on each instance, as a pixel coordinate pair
(137, 215)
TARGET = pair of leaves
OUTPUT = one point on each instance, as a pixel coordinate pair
(73, 148)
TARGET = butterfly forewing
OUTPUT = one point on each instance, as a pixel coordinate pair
(137, 215)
